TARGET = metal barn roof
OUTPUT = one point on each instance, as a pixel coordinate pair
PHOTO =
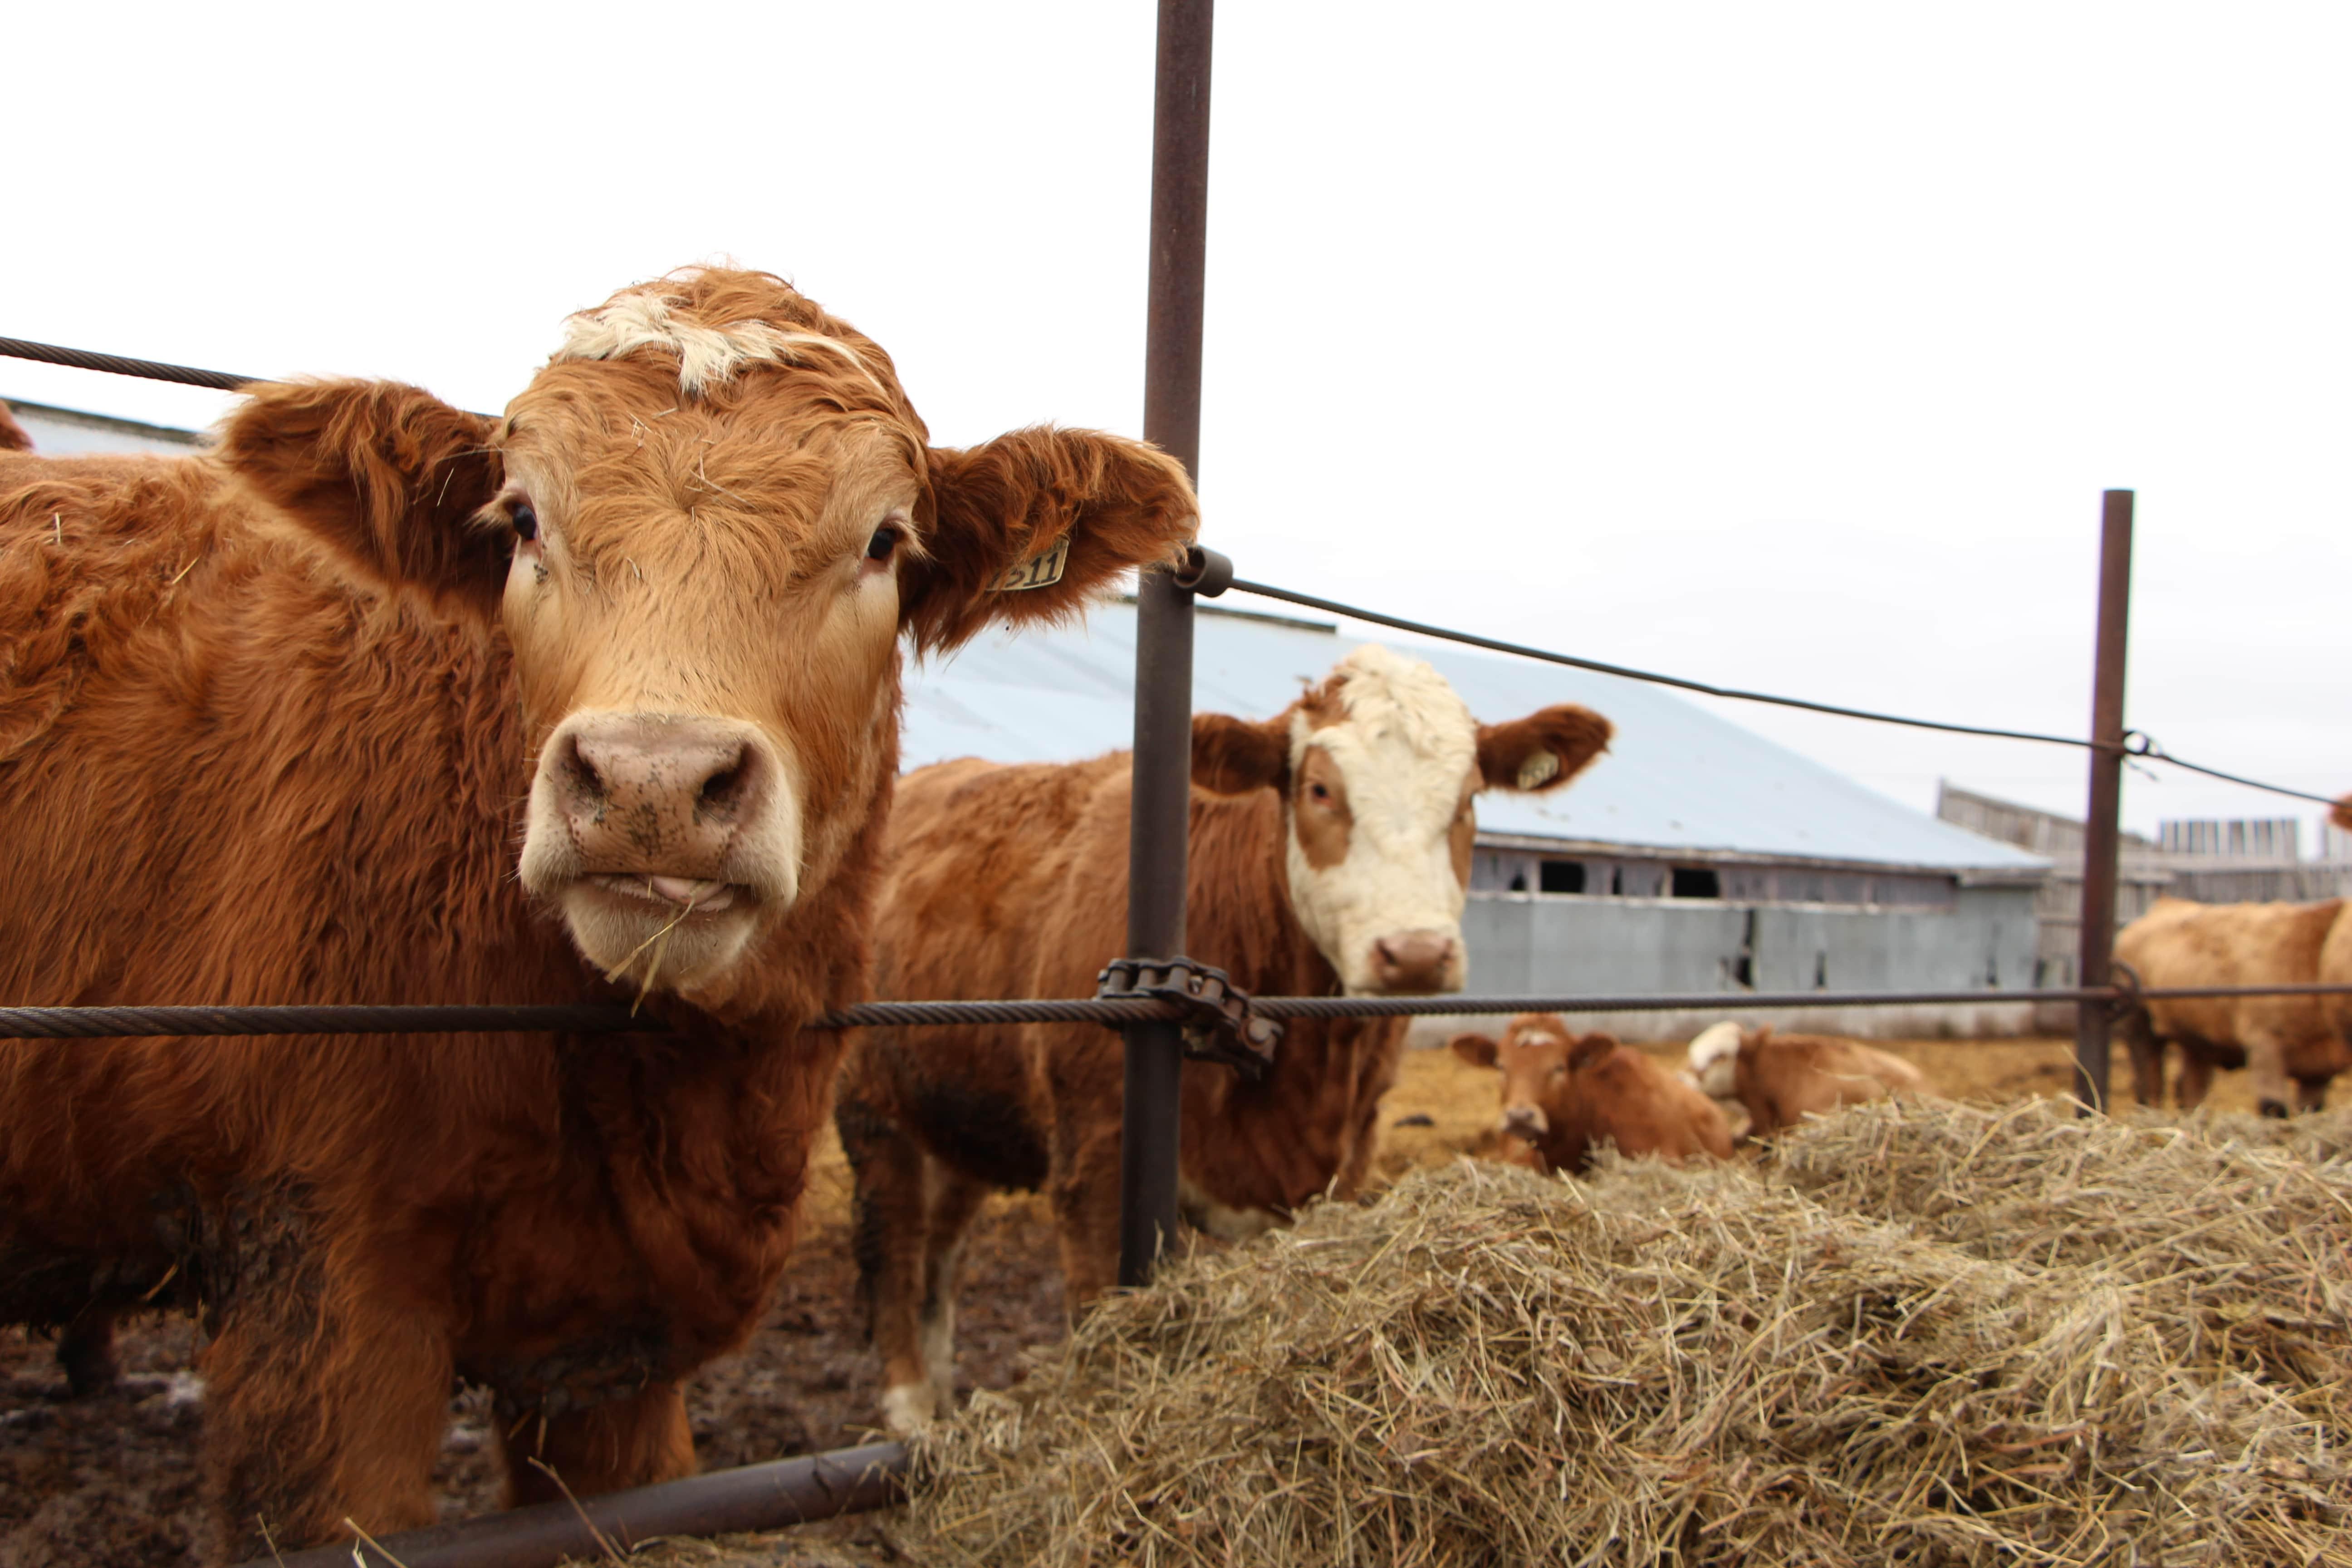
(1676, 778)
(62, 432)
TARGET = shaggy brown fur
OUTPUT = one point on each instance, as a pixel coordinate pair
(2181, 943)
(1565, 1094)
(1782, 1079)
(1011, 881)
(265, 737)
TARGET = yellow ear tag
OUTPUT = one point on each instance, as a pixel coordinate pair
(1539, 769)
(1042, 573)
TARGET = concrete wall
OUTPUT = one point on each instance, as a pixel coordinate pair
(1522, 944)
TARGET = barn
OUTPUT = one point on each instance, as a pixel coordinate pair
(60, 431)
(1695, 857)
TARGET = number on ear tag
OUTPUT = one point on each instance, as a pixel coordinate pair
(1042, 573)
(1539, 769)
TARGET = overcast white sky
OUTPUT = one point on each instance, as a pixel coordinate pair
(1782, 346)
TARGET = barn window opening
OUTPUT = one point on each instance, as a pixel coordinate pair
(1696, 882)
(1560, 876)
(1617, 881)
(1518, 881)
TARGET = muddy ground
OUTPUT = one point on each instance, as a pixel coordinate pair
(111, 1482)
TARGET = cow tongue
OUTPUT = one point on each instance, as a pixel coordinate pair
(685, 890)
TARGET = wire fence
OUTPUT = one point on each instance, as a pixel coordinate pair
(121, 1023)
(51, 1023)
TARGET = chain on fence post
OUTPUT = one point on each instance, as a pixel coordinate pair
(2102, 827)
(1163, 649)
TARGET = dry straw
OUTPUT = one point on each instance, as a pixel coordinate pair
(1911, 1335)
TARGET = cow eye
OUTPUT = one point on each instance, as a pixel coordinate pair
(884, 541)
(526, 521)
(1318, 793)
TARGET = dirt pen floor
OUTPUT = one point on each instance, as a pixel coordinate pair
(111, 1482)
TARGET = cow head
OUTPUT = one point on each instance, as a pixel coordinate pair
(705, 525)
(1539, 1059)
(1711, 1060)
(1379, 767)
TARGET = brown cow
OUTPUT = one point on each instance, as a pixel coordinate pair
(2181, 943)
(275, 721)
(1564, 1094)
(1778, 1081)
(1331, 851)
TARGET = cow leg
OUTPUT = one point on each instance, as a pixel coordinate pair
(2311, 1093)
(2266, 1060)
(2147, 1053)
(955, 1199)
(86, 1351)
(1085, 1190)
(324, 1401)
(2196, 1077)
(619, 1443)
(891, 1239)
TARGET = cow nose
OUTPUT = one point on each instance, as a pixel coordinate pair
(654, 794)
(1523, 1120)
(1415, 960)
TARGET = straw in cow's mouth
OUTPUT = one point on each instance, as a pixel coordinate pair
(659, 943)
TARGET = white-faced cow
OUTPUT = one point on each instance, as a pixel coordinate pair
(1565, 1094)
(1331, 851)
(275, 721)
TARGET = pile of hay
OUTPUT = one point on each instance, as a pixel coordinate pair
(1724, 1366)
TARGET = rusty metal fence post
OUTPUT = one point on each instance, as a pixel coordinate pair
(1160, 822)
(2102, 823)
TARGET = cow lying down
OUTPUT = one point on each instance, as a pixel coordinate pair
(380, 702)
(1766, 1083)
(1331, 851)
(1566, 1094)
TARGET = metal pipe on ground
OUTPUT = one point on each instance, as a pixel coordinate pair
(2102, 823)
(756, 1497)
(1160, 820)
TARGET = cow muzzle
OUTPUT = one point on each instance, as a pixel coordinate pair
(1417, 964)
(665, 838)
(1526, 1121)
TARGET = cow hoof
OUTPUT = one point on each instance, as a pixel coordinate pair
(908, 1408)
(2274, 1108)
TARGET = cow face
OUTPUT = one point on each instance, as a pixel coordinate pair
(704, 526)
(1710, 1062)
(1378, 768)
(1540, 1059)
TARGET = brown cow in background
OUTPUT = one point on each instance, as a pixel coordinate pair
(2303, 1039)
(1565, 1094)
(274, 720)
(1331, 851)
(1779, 1080)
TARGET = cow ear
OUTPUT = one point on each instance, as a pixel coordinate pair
(12, 437)
(1479, 1050)
(1590, 1050)
(1542, 751)
(2342, 813)
(386, 476)
(1233, 756)
(1030, 526)
(1757, 1038)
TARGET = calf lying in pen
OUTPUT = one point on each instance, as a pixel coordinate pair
(1565, 1095)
